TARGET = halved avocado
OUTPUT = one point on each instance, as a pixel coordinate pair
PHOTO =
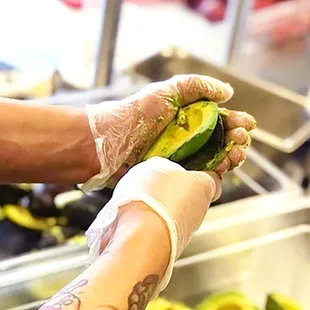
(13, 193)
(22, 217)
(227, 301)
(187, 133)
(281, 302)
(161, 303)
(57, 235)
(80, 209)
(2, 215)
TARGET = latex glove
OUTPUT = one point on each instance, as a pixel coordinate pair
(124, 130)
(181, 198)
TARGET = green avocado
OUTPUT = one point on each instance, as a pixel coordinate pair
(226, 301)
(281, 302)
(187, 133)
(161, 303)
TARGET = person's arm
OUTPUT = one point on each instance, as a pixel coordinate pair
(127, 272)
(46, 144)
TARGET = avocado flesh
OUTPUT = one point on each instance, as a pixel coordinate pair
(226, 301)
(163, 304)
(22, 217)
(211, 154)
(281, 302)
(186, 134)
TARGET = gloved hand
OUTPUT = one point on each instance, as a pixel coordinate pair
(181, 198)
(124, 130)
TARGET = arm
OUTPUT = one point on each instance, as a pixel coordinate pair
(135, 259)
(42, 143)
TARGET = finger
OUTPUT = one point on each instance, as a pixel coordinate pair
(238, 135)
(192, 87)
(235, 119)
(223, 166)
(211, 181)
(237, 156)
(218, 185)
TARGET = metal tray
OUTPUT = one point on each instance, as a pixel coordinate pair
(273, 107)
(278, 262)
(249, 248)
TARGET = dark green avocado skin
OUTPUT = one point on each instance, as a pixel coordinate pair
(210, 154)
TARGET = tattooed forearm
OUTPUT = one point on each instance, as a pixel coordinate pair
(69, 296)
(66, 297)
(142, 293)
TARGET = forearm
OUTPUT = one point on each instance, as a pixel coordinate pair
(42, 143)
(136, 257)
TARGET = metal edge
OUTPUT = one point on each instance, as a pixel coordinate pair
(242, 246)
(287, 145)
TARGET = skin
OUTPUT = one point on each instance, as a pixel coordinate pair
(93, 290)
(45, 144)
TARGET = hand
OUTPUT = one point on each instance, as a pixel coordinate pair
(124, 130)
(181, 198)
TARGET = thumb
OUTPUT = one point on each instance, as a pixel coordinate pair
(211, 182)
(193, 87)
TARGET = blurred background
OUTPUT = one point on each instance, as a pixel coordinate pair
(256, 237)
(44, 38)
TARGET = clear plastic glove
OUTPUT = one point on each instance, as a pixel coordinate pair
(181, 198)
(124, 130)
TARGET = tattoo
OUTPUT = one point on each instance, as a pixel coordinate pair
(142, 293)
(65, 297)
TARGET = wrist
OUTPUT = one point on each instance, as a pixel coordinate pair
(87, 145)
(140, 228)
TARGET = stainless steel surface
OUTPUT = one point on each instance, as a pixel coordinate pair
(97, 95)
(295, 165)
(278, 262)
(260, 244)
(237, 14)
(32, 258)
(111, 10)
(273, 107)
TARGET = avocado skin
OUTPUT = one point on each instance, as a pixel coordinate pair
(218, 301)
(82, 213)
(281, 302)
(16, 240)
(211, 153)
(11, 194)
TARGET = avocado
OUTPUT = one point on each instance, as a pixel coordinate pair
(187, 133)
(161, 303)
(13, 193)
(226, 301)
(2, 215)
(80, 209)
(57, 235)
(22, 217)
(281, 302)
(16, 240)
